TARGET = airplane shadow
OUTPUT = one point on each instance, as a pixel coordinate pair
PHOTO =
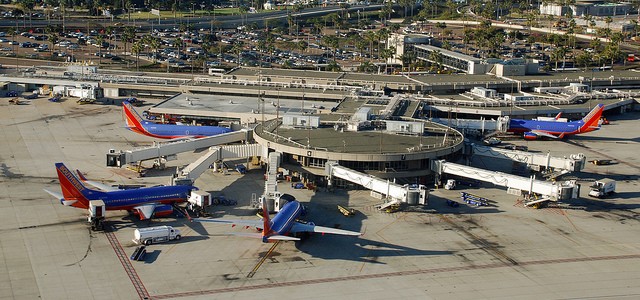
(440, 205)
(197, 227)
(607, 204)
(358, 249)
(592, 138)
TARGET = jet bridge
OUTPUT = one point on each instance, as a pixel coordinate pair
(191, 172)
(516, 185)
(536, 161)
(476, 127)
(162, 151)
(395, 193)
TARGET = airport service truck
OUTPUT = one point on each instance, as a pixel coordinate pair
(603, 187)
(156, 234)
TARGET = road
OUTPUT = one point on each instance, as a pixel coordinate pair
(204, 22)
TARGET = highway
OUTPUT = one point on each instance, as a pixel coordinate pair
(204, 22)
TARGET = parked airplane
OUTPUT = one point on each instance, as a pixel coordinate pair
(135, 123)
(534, 129)
(146, 202)
(283, 224)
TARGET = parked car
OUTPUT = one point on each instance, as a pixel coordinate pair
(492, 141)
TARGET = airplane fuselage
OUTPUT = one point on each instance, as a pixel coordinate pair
(551, 127)
(176, 131)
(128, 199)
(284, 220)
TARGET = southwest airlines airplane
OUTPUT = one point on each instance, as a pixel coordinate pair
(135, 123)
(146, 202)
(534, 129)
(283, 225)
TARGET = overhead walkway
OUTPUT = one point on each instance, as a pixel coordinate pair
(534, 190)
(536, 161)
(394, 193)
(163, 151)
(480, 126)
(217, 153)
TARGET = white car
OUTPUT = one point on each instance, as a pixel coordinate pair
(492, 141)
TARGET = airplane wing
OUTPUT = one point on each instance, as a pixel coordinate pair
(145, 211)
(56, 195)
(251, 223)
(300, 227)
(182, 138)
(102, 186)
(543, 133)
(259, 236)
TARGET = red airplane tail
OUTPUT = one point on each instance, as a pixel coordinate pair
(72, 189)
(591, 120)
(558, 116)
(132, 118)
(266, 222)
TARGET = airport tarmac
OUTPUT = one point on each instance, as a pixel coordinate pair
(585, 248)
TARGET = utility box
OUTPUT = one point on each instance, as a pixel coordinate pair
(97, 212)
(158, 234)
(199, 199)
(198, 202)
(451, 184)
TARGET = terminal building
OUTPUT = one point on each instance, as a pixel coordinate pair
(581, 8)
(368, 135)
(424, 48)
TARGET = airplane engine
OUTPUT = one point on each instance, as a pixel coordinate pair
(530, 136)
(163, 210)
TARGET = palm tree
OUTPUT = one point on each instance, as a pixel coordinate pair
(128, 35)
(136, 48)
(366, 67)
(154, 43)
(436, 57)
(467, 38)
(332, 42)
(371, 37)
(53, 39)
(237, 49)
(361, 45)
(200, 61)
(178, 43)
(608, 20)
(408, 58)
(559, 53)
(243, 13)
(100, 40)
(110, 31)
(584, 59)
(302, 46)
(318, 25)
(333, 66)
(386, 54)
(27, 6)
